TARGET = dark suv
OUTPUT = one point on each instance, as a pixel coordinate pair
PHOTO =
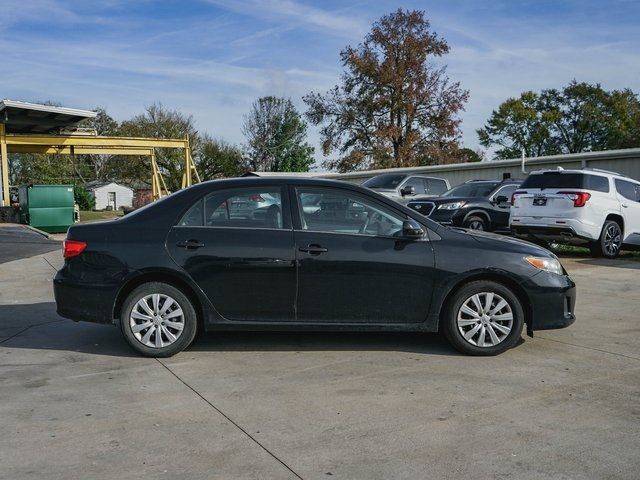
(476, 204)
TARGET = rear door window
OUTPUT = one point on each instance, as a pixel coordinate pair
(252, 207)
(629, 190)
(566, 180)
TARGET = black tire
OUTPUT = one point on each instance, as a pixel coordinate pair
(475, 222)
(610, 241)
(449, 322)
(188, 319)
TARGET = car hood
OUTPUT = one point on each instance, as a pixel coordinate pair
(505, 243)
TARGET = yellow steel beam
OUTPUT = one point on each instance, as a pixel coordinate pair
(48, 150)
(77, 141)
(4, 167)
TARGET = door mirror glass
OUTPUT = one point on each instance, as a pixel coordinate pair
(412, 229)
(408, 190)
(500, 199)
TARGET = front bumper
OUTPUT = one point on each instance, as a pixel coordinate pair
(552, 301)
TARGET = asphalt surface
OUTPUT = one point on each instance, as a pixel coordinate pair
(76, 402)
(18, 241)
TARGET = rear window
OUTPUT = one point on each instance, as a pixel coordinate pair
(566, 180)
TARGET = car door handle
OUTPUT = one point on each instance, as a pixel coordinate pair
(313, 249)
(190, 244)
(624, 205)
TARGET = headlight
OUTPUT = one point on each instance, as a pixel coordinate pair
(547, 264)
(451, 206)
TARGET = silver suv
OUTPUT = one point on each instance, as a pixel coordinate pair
(402, 186)
(596, 208)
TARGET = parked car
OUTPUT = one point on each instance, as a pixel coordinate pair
(401, 187)
(358, 262)
(595, 208)
(477, 204)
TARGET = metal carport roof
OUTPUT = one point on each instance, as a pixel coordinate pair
(24, 117)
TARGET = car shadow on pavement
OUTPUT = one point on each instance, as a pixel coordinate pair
(37, 326)
(632, 263)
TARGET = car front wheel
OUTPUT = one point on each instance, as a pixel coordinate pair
(158, 320)
(476, 223)
(483, 318)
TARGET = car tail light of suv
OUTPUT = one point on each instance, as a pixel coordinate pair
(72, 248)
(579, 198)
(514, 195)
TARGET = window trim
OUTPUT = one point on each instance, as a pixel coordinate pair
(297, 223)
(287, 224)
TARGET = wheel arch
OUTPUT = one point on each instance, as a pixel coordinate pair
(477, 213)
(619, 219)
(159, 276)
(494, 276)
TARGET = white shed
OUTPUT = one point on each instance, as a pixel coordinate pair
(111, 194)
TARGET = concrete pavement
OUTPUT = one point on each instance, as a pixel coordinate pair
(77, 403)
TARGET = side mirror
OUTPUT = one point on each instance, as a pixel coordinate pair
(409, 190)
(500, 199)
(412, 229)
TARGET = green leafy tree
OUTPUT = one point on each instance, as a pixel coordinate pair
(83, 198)
(157, 122)
(217, 159)
(276, 137)
(393, 107)
(580, 117)
(519, 125)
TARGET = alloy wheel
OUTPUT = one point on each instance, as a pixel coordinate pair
(156, 320)
(612, 239)
(476, 225)
(485, 319)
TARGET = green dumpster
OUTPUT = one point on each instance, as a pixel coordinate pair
(47, 207)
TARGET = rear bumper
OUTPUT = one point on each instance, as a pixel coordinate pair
(559, 229)
(82, 301)
(552, 301)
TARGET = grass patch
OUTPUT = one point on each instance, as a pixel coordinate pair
(90, 216)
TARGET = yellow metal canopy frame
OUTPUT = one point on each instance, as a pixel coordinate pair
(93, 145)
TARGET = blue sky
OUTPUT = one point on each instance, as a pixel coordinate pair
(213, 58)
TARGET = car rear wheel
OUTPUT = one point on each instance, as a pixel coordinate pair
(158, 320)
(476, 223)
(483, 318)
(610, 241)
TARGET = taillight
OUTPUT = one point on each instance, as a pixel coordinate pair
(514, 195)
(256, 198)
(72, 248)
(579, 198)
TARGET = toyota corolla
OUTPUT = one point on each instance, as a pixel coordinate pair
(304, 254)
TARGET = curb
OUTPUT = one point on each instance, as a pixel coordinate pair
(34, 229)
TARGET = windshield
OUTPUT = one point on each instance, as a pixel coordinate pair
(475, 189)
(386, 180)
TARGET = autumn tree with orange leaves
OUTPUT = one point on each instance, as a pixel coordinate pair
(393, 106)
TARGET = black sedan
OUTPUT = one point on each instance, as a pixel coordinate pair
(304, 254)
(477, 204)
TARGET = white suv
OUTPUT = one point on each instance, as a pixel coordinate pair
(591, 207)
